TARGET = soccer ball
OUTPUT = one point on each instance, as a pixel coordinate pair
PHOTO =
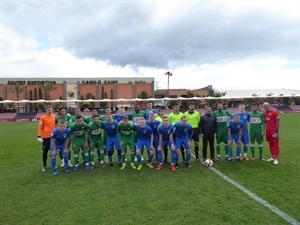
(208, 163)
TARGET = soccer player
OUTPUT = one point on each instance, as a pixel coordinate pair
(125, 131)
(60, 138)
(235, 132)
(119, 116)
(79, 131)
(244, 116)
(149, 109)
(165, 133)
(64, 116)
(272, 132)
(96, 141)
(257, 130)
(112, 140)
(184, 134)
(135, 116)
(153, 123)
(208, 130)
(91, 118)
(161, 114)
(222, 117)
(145, 138)
(193, 118)
(175, 117)
(45, 128)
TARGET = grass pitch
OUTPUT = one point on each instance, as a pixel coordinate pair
(111, 196)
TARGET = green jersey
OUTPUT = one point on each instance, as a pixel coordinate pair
(78, 132)
(257, 122)
(95, 131)
(136, 116)
(174, 118)
(222, 118)
(89, 119)
(125, 132)
(66, 118)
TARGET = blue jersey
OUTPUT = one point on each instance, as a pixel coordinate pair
(245, 117)
(154, 125)
(119, 117)
(60, 137)
(111, 129)
(147, 113)
(235, 127)
(143, 133)
(183, 132)
(165, 131)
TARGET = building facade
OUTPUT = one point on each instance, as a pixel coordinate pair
(77, 88)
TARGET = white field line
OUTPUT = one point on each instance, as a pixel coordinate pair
(255, 197)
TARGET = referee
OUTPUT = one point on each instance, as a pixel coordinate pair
(193, 118)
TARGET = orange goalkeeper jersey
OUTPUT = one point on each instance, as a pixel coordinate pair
(46, 125)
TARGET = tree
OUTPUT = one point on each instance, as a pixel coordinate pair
(89, 95)
(212, 92)
(169, 74)
(48, 88)
(17, 89)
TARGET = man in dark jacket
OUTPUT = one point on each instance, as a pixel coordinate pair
(208, 130)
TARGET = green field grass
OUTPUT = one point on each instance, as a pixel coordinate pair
(111, 196)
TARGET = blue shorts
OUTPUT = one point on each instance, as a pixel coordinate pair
(179, 142)
(164, 143)
(245, 138)
(235, 137)
(141, 143)
(59, 148)
(112, 142)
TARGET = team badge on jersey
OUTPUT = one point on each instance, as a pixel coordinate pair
(113, 127)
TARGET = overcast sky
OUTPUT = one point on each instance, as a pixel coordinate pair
(229, 44)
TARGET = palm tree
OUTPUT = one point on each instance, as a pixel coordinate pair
(168, 74)
(48, 88)
(17, 89)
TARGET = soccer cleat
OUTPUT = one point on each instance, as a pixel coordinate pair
(176, 166)
(213, 159)
(203, 160)
(261, 158)
(67, 170)
(188, 165)
(246, 158)
(92, 166)
(132, 166)
(111, 164)
(270, 159)
(218, 158)
(275, 162)
(149, 165)
(62, 163)
(84, 162)
(87, 166)
(54, 172)
(230, 159)
(123, 166)
(102, 165)
(197, 160)
(240, 158)
(76, 167)
(139, 167)
(253, 158)
(159, 167)
(173, 168)
(70, 164)
(44, 169)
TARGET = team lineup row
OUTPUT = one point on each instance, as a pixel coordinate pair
(157, 133)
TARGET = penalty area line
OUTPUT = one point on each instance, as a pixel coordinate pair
(274, 209)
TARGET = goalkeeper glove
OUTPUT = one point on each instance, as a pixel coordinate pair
(39, 139)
